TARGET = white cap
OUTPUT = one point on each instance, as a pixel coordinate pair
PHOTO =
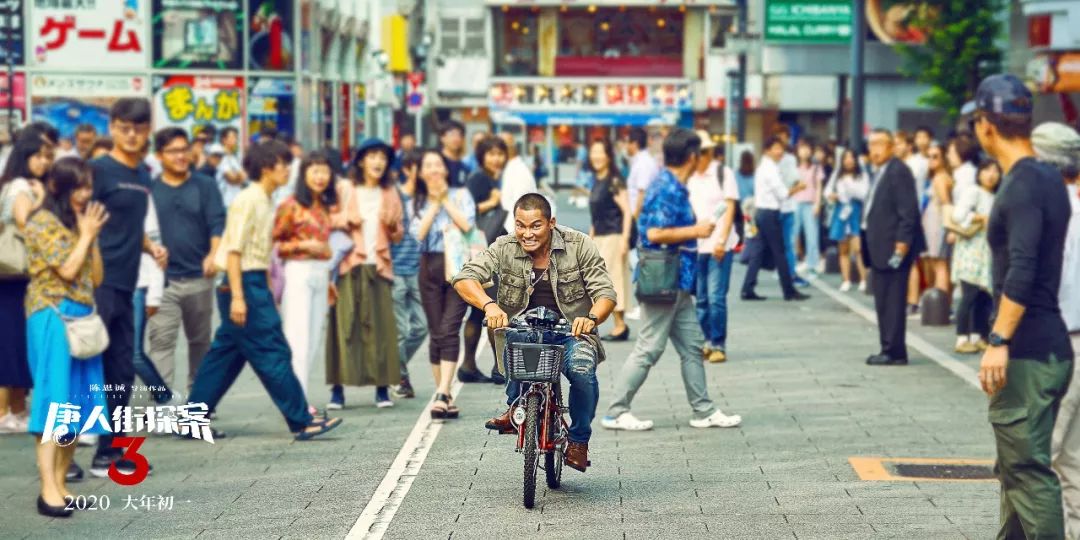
(215, 148)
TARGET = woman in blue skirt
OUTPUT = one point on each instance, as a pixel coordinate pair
(65, 266)
(846, 193)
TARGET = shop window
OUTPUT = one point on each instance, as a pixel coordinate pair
(462, 36)
(620, 42)
(516, 42)
(721, 25)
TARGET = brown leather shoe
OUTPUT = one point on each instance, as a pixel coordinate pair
(502, 424)
(577, 456)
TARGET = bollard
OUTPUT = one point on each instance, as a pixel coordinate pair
(832, 260)
(934, 307)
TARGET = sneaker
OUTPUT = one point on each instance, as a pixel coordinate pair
(87, 440)
(74, 473)
(706, 350)
(845, 286)
(337, 398)
(913, 311)
(717, 356)
(634, 314)
(717, 419)
(404, 390)
(801, 283)
(626, 422)
(801, 268)
(382, 398)
(820, 269)
(966, 347)
(862, 286)
(9, 423)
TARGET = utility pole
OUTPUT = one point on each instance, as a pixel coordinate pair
(858, 90)
(738, 97)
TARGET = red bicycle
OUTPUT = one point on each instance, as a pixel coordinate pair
(538, 415)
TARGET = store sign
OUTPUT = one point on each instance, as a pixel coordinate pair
(187, 101)
(198, 34)
(11, 27)
(67, 100)
(271, 35)
(75, 34)
(808, 21)
(271, 103)
(547, 96)
(1055, 72)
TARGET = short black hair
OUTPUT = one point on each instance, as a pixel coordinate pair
(225, 131)
(164, 136)
(302, 193)
(104, 143)
(209, 130)
(534, 201)
(925, 129)
(130, 109)
(1010, 125)
(449, 126)
(265, 155)
(679, 146)
(638, 136)
(411, 158)
(986, 164)
(771, 142)
(487, 144)
(268, 131)
(86, 128)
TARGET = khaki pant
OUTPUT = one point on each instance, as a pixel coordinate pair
(1065, 450)
(1022, 415)
(190, 302)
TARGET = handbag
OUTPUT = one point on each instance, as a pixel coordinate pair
(13, 262)
(492, 223)
(87, 336)
(658, 276)
(460, 248)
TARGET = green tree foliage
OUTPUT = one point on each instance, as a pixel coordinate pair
(962, 47)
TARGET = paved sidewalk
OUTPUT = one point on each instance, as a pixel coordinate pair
(796, 375)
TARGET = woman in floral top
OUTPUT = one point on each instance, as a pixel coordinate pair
(302, 233)
(65, 266)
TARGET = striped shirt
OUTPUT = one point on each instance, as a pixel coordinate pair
(406, 253)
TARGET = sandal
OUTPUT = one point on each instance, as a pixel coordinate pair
(452, 411)
(440, 406)
(322, 426)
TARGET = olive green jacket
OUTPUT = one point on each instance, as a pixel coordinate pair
(577, 271)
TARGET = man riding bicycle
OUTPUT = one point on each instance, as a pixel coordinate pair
(542, 264)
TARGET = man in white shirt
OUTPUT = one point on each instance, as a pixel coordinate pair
(714, 200)
(517, 178)
(904, 146)
(789, 174)
(770, 193)
(230, 175)
(643, 168)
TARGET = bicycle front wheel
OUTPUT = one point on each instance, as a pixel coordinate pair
(532, 422)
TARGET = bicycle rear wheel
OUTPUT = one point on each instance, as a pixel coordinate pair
(532, 422)
(553, 463)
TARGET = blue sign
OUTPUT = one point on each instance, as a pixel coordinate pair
(591, 118)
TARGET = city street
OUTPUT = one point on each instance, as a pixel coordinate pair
(796, 375)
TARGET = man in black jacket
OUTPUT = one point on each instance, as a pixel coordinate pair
(892, 237)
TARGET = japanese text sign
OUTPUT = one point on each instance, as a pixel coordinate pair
(75, 34)
(187, 101)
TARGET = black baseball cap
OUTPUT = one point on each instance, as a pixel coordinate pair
(1003, 94)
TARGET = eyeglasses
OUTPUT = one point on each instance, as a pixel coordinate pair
(128, 129)
(176, 151)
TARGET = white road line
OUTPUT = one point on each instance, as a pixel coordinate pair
(380, 510)
(956, 367)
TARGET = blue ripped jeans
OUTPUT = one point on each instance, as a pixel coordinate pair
(579, 367)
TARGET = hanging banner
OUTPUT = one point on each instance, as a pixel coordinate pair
(11, 27)
(272, 102)
(67, 100)
(109, 35)
(18, 106)
(188, 100)
(271, 41)
(198, 34)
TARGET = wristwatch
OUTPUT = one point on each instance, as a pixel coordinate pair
(996, 340)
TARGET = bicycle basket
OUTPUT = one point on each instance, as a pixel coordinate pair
(538, 362)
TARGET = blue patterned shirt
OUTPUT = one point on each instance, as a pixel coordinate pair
(666, 206)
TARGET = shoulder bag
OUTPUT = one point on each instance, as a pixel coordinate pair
(87, 336)
(12, 248)
(658, 276)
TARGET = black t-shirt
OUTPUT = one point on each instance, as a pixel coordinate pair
(606, 215)
(125, 192)
(189, 216)
(480, 186)
(457, 173)
(543, 294)
(207, 170)
(1026, 232)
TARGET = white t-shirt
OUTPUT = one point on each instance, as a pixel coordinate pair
(920, 169)
(517, 180)
(643, 170)
(368, 201)
(229, 163)
(708, 199)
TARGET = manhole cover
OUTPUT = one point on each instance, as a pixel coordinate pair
(944, 472)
